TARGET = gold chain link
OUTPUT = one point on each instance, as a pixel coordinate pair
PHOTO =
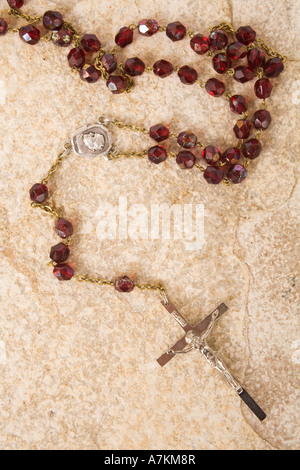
(270, 51)
(29, 19)
(225, 27)
(107, 282)
(46, 208)
(61, 157)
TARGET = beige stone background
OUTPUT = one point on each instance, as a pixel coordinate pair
(78, 362)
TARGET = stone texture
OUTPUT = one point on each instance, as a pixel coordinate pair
(77, 361)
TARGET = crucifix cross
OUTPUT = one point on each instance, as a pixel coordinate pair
(195, 339)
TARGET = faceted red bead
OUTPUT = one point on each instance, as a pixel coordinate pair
(236, 50)
(157, 154)
(187, 75)
(262, 119)
(186, 159)
(200, 44)
(176, 31)
(211, 154)
(90, 43)
(221, 63)
(187, 140)
(243, 74)
(251, 149)
(159, 132)
(117, 84)
(30, 34)
(162, 68)
(60, 253)
(242, 129)
(213, 174)
(76, 58)
(63, 272)
(263, 88)
(134, 66)
(53, 20)
(273, 67)
(62, 38)
(63, 228)
(256, 58)
(15, 3)
(231, 155)
(39, 193)
(124, 37)
(89, 73)
(238, 104)
(214, 87)
(124, 284)
(246, 35)
(237, 173)
(3, 27)
(109, 63)
(148, 27)
(218, 39)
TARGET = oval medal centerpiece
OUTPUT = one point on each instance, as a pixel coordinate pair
(91, 141)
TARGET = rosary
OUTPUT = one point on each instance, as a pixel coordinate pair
(225, 47)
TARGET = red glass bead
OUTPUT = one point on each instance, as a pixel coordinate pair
(117, 84)
(89, 73)
(62, 37)
(262, 119)
(187, 140)
(30, 34)
(76, 58)
(63, 228)
(162, 68)
(238, 104)
(63, 272)
(134, 66)
(157, 154)
(15, 3)
(231, 155)
(214, 87)
(109, 63)
(60, 253)
(263, 88)
(124, 284)
(39, 193)
(187, 75)
(211, 154)
(251, 149)
(159, 132)
(246, 35)
(148, 27)
(200, 44)
(237, 174)
(176, 31)
(221, 63)
(243, 74)
(3, 27)
(186, 159)
(273, 67)
(218, 39)
(256, 58)
(53, 20)
(242, 129)
(124, 37)
(90, 43)
(213, 174)
(236, 50)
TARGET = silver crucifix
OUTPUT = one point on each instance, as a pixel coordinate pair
(195, 339)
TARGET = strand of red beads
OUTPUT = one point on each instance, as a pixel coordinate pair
(224, 45)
